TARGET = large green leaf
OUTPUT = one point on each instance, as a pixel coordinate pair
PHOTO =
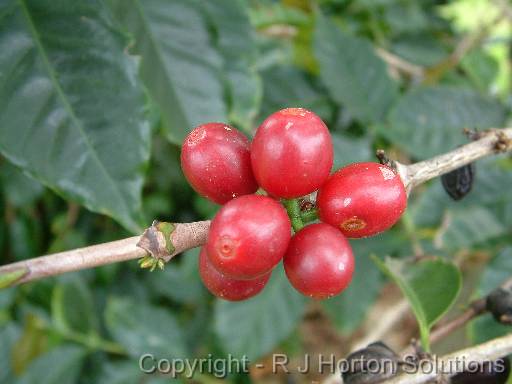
(129, 372)
(350, 149)
(419, 48)
(468, 227)
(72, 110)
(178, 63)
(61, 365)
(430, 286)
(428, 121)
(481, 68)
(354, 75)
(235, 41)
(143, 328)
(286, 86)
(8, 336)
(19, 189)
(73, 307)
(496, 271)
(253, 327)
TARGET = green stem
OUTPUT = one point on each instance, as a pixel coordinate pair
(309, 215)
(92, 341)
(293, 209)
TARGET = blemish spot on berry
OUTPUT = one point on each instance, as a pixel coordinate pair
(387, 173)
(353, 224)
(196, 136)
(226, 247)
(294, 111)
(227, 128)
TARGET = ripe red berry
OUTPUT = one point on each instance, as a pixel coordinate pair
(225, 287)
(216, 161)
(292, 153)
(319, 261)
(248, 236)
(362, 199)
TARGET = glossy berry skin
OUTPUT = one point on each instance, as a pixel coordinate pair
(248, 236)
(292, 153)
(362, 199)
(225, 287)
(319, 262)
(216, 161)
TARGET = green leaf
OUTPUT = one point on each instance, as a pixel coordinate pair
(354, 75)
(73, 307)
(468, 227)
(268, 14)
(429, 120)
(481, 68)
(253, 327)
(8, 336)
(485, 328)
(128, 372)
(178, 63)
(72, 114)
(495, 273)
(420, 49)
(406, 17)
(7, 297)
(19, 189)
(286, 86)
(430, 286)
(350, 149)
(235, 41)
(61, 365)
(144, 328)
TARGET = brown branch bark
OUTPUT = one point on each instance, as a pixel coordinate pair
(185, 236)
(190, 235)
(490, 142)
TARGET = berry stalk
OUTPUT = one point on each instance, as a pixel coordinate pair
(293, 208)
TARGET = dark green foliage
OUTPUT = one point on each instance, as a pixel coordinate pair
(95, 98)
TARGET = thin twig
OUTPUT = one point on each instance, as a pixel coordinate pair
(401, 64)
(492, 142)
(185, 236)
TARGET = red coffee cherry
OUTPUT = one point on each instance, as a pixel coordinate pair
(362, 199)
(319, 261)
(216, 161)
(225, 287)
(248, 236)
(292, 153)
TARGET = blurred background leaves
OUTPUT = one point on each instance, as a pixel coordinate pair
(96, 97)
